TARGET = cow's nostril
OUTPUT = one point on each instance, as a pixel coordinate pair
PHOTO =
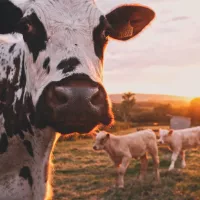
(60, 95)
(96, 98)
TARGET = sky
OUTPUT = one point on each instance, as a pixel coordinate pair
(164, 58)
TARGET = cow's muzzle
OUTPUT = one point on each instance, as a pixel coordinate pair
(75, 104)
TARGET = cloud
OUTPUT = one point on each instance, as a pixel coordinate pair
(180, 18)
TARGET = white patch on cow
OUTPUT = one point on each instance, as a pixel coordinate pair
(19, 93)
(2, 129)
(22, 4)
(11, 38)
(17, 97)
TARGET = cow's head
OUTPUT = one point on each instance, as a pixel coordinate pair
(64, 42)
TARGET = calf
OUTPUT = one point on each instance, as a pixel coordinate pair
(179, 141)
(51, 81)
(122, 149)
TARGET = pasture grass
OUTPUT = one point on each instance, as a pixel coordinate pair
(83, 174)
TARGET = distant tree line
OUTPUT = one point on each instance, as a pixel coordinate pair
(131, 111)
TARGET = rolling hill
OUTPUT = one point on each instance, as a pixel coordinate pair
(157, 98)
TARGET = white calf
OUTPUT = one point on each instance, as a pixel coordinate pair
(122, 148)
(179, 141)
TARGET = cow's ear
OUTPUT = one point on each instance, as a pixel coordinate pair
(170, 132)
(10, 15)
(129, 20)
(107, 135)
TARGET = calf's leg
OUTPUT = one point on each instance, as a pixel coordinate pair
(144, 165)
(121, 170)
(156, 161)
(183, 163)
(173, 160)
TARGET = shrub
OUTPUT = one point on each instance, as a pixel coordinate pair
(118, 126)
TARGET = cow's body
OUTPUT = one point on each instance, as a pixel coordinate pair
(179, 141)
(25, 174)
(122, 149)
(24, 149)
(51, 81)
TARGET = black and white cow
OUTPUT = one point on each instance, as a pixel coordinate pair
(51, 81)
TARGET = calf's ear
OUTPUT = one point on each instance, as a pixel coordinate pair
(170, 132)
(105, 138)
(10, 15)
(129, 20)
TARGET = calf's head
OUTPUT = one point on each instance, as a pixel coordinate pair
(64, 44)
(101, 139)
(165, 136)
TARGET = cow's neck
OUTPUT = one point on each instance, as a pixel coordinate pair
(17, 112)
(20, 142)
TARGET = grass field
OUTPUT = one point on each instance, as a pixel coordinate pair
(83, 174)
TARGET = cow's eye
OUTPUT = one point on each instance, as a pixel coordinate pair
(24, 26)
(28, 28)
(106, 33)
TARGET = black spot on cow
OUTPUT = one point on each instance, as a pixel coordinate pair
(22, 82)
(36, 38)
(8, 71)
(17, 68)
(98, 39)
(3, 61)
(48, 70)
(3, 143)
(29, 147)
(9, 16)
(2, 95)
(26, 174)
(46, 65)
(20, 118)
(10, 93)
(12, 48)
(68, 65)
